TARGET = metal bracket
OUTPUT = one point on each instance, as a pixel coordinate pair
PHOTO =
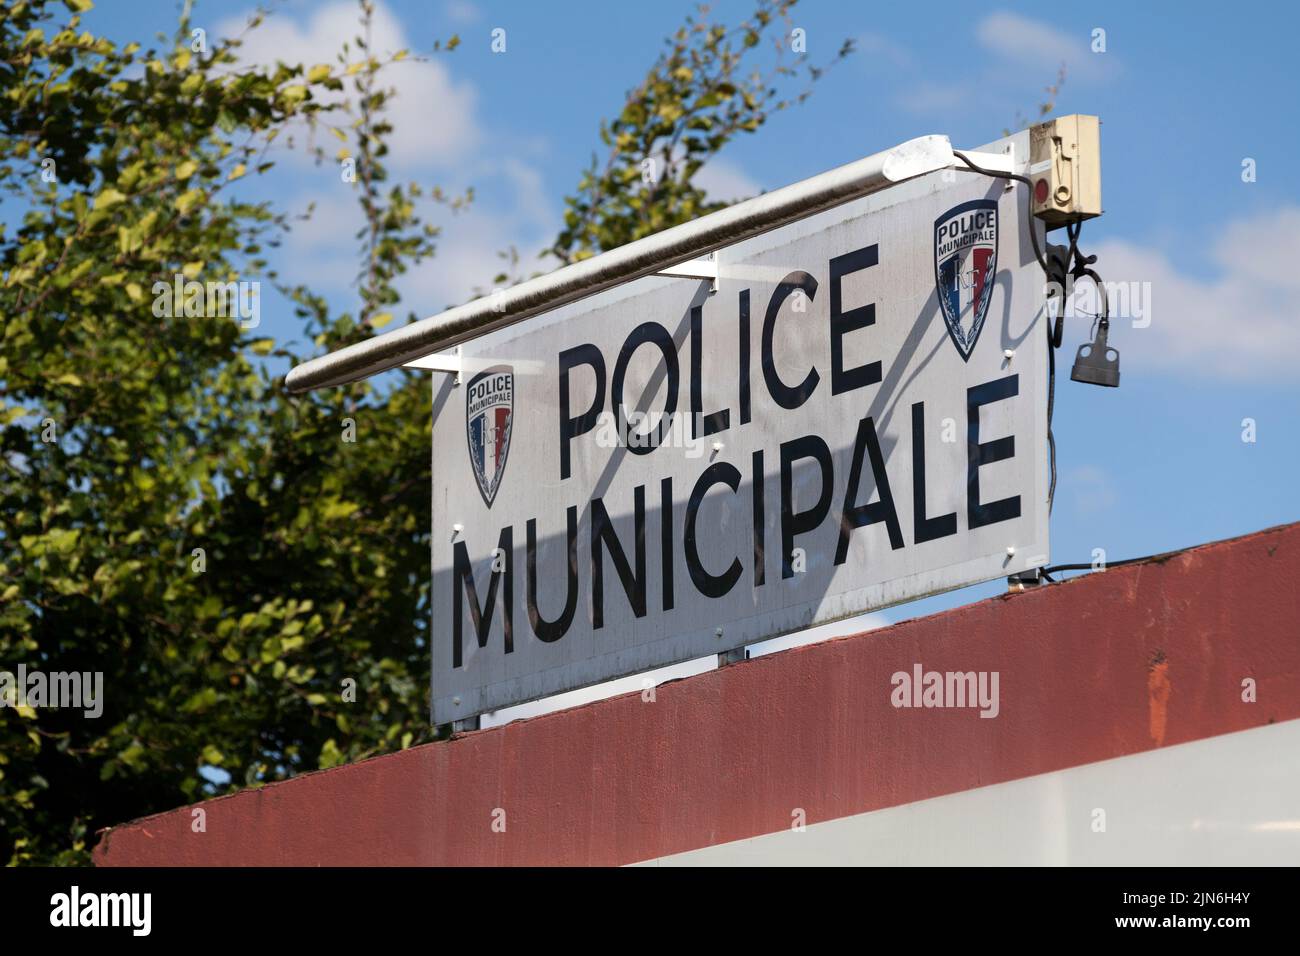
(1004, 162)
(441, 362)
(1024, 580)
(641, 257)
(733, 656)
(466, 724)
(706, 268)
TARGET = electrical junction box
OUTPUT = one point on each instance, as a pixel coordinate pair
(1065, 169)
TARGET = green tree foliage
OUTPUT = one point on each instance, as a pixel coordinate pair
(248, 569)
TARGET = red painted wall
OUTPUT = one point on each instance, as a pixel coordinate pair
(1113, 663)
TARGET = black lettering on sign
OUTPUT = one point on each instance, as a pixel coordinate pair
(646, 332)
(744, 357)
(551, 631)
(489, 386)
(666, 539)
(842, 323)
(787, 396)
(715, 421)
(710, 585)
(572, 427)
(800, 522)
(923, 528)
(760, 520)
(856, 516)
(978, 454)
(602, 538)
(463, 573)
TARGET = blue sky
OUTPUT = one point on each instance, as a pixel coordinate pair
(1184, 99)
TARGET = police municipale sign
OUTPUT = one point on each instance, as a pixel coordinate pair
(661, 472)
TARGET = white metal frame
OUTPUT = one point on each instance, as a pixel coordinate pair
(667, 253)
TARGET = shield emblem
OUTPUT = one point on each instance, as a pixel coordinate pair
(965, 263)
(489, 412)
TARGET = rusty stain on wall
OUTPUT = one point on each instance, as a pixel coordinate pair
(1158, 690)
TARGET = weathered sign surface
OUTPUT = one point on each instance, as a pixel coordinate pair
(854, 418)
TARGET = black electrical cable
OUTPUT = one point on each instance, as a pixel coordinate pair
(1029, 207)
(1078, 265)
(1107, 564)
(1104, 317)
(1072, 229)
(1051, 344)
(1051, 405)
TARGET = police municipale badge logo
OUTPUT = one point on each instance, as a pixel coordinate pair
(489, 414)
(965, 264)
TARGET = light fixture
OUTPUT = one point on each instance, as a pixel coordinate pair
(1097, 362)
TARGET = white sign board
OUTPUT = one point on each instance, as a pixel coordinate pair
(854, 418)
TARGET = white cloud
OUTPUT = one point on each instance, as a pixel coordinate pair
(461, 11)
(1265, 249)
(1232, 318)
(467, 258)
(434, 125)
(724, 181)
(467, 261)
(432, 114)
(876, 49)
(435, 128)
(531, 203)
(1020, 46)
(1021, 40)
(323, 253)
